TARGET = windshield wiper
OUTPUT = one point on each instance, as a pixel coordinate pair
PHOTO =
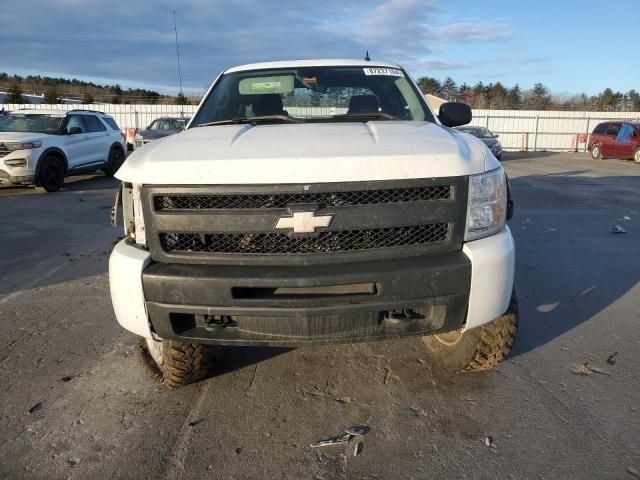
(252, 120)
(365, 116)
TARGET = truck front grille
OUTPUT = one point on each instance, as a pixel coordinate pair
(282, 200)
(324, 242)
(4, 151)
(234, 224)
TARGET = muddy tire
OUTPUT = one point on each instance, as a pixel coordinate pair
(114, 162)
(596, 153)
(477, 349)
(50, 176)
(180, 363)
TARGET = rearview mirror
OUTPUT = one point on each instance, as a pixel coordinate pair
(454, 114)
(75, 130)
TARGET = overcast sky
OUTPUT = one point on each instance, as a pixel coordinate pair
(571, 46)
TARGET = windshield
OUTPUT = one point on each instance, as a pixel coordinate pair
(478, 132)
(167, 124)
(315, 94)
(32, 123)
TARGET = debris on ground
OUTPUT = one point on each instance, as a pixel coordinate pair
(490, 442)
(586, 369)
(611, 359)
(73, 461)
(419, 412)
(66, 378)
(625, 218)
(633, 471)
(353, 435)
(36, 407)
(193, 423)
(617, 229)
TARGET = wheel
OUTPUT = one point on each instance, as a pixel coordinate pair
(180, 363)
(115, 161)
(596, 153)
(50, 174)
(636, 155)
(477, 349)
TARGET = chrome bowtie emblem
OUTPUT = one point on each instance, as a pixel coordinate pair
(304, 222)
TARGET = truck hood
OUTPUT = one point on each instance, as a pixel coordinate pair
(21, 136)
(305, 153)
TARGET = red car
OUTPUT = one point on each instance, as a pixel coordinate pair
(615, 139)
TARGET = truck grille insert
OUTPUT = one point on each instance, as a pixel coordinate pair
(282, 200)
(281, 243)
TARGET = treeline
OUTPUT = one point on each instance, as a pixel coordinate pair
(498, 97)
(54, 89)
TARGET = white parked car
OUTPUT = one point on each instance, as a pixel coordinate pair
(315, 201)
(41, 147)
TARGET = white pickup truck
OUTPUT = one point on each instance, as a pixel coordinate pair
(315, 201)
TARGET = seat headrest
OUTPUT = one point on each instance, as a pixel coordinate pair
(363, 104)
(270, 104)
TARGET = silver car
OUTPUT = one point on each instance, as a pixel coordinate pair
(489, 139)
(160, 128)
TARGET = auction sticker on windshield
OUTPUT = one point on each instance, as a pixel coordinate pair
(394, 72)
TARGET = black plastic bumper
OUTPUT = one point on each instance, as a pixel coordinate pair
(288, 306)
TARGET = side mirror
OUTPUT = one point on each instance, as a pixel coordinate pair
(496, 136)
(454, 114)
(75, 130)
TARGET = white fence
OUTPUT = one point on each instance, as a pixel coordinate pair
(531, 130)
(519, 130)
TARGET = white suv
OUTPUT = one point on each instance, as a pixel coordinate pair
(41, 147)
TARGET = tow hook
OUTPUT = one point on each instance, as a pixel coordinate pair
(404, 315)
(214, 322)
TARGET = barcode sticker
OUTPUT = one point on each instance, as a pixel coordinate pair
(393, 72)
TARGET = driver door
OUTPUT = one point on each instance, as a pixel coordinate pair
(76, 145)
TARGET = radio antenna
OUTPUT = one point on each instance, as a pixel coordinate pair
(175, 29)
(366, 57)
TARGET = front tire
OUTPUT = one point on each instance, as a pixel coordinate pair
(50, 176)
(636, 155)
(596, 153)
(180, 363)
(477, 349)
(115, 161)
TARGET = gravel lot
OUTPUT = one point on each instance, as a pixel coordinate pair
(79, 402)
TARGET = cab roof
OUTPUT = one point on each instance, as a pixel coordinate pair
(312, 63)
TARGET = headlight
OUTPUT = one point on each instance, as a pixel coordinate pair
(487, 209)
(22, 145)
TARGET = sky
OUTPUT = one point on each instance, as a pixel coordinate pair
(570, 46)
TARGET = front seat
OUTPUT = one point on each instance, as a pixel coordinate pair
(363, 104)
(270, 104)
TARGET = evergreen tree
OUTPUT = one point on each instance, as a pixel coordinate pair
(14, 95)
(514, 97)
(51, 96)
(430, 85)
(540, 97)
(449, 89)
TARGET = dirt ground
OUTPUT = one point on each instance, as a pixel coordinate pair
(78, 401)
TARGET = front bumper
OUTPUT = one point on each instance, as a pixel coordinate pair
(17, 175)
(239, 305)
